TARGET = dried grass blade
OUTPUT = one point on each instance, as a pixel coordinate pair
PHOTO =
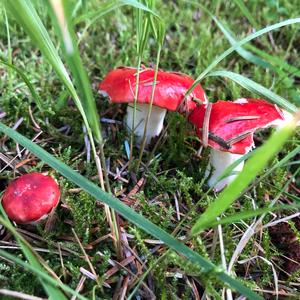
(242, 118)
(205, 127)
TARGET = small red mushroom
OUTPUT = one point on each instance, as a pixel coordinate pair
(228, 128)
(30, 198)
(119, 84)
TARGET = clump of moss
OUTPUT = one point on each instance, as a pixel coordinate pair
(83, 210)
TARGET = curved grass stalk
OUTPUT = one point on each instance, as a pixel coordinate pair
(35, 96)
(238, 45)
(254, 87)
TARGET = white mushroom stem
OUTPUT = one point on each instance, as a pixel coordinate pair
(219, 161)
(155, 123)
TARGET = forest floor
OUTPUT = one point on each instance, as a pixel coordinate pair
(167, 190)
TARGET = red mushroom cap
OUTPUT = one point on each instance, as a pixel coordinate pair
(30, 197)
(232, 124)
(170, 89)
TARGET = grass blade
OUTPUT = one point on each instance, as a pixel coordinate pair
(9, 49)
(64, 27)
(252, 167)
(128, 213)
(246, 12)
(276, 61)
(252, 213)
(52, 291)
(242, 52)
(252, 86)
(238, 45)
(282, 162)
(110, 6)
(245, 41)
(145, 24)
(34, 95)
(26, 15)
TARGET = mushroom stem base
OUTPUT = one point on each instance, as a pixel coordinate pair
(155, 123)
(219, 161)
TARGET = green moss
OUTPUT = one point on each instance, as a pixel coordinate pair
(14, 278)
(192, 42)
(83, 209)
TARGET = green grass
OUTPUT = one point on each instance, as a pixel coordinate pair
(192, 43)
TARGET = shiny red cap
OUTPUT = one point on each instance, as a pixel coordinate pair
(170, 88)
(30, 197)
(232, 124)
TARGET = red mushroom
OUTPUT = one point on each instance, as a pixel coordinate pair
(30, 198)
(228, 128)
(120, 84)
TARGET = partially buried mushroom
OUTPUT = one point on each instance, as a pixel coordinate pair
(120, 84)
(228, 128)
(30, 198)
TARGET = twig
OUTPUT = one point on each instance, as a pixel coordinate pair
(223, 259)
(85, 256)
(79, 286)
(18, 123)
(19, 295)
(281, 220)
(87, 145)
(205, 127)
(239, 137)
(24, 149)
(242, 118)
(36, 125)
(268, 263)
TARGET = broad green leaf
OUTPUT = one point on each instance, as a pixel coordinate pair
(254, 87)
(253, 166)
(128, 213)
